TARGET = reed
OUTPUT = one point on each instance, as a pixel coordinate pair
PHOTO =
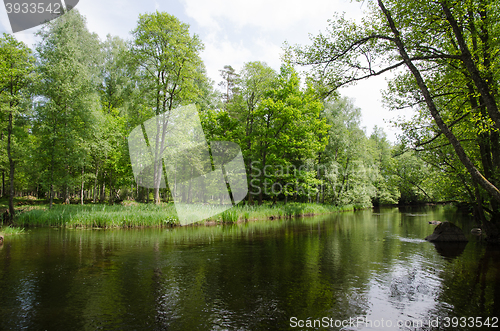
(162, 215)
(9, 230)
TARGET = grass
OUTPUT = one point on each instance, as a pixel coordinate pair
(7, 230)
(99, 216)
(4, 201)
(265, 211)
(133, 214)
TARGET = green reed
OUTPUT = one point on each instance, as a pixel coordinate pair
(162, 215)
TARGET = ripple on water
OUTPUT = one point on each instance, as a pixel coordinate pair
(411, 240)
(405, 291)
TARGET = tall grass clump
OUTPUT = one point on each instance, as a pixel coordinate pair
(291, 209)
(150, 215)
(101, 216)
(230, 216)
(9, 230)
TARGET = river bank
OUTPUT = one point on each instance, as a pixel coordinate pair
(138, 215)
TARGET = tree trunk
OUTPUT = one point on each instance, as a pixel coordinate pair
(262, 178)
(11, 167)
(103, 188)
(51, 195)
(322, 193)
(479, 211)
(250, 198)
(318, 174)
(66, 195)
(94, 199)
(111, 196)
(157, 195)
(466, 56)
(81, 188)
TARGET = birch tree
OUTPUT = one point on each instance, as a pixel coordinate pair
(168, 68)
(16, 73)
(69, 59)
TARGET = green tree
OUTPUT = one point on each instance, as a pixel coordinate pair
(115, 77)
(16, 68)
(410, 176)
(69, 59)
(229, 84)
(256, 80)
(107, 146)
(287, 131)
(433, 40)
(168, 68)
(382, 150)
(346, 162)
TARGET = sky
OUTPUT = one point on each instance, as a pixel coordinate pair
(235, 32)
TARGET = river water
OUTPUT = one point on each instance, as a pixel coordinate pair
(366, 270)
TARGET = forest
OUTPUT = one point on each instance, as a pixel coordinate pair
(68, 106)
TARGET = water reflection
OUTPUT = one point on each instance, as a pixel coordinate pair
(450, 250)
(365, 266)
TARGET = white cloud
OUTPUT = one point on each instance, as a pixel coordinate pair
(367, 95)
(26, 36)
(113, 17)
(268, 15)
(219, 53)
(235, 32)
(4, 22)
(267, 51)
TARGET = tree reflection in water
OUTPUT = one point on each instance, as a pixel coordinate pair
(252, 276)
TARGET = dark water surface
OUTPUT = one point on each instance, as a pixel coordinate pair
(269, 275)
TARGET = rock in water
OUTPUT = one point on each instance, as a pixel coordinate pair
(476, 231)
(447, 231)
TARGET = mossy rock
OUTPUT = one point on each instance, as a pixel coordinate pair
(447, 232)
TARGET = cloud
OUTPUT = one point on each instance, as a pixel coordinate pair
(235, 31)
(366, 95)
(113, 17)
(221, 52)
(264, 14)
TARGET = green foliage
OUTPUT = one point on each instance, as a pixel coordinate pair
(411, 176)
(300, 140)
(229, 216)
(69, 56)
(168, 69)
(9, 230)
(166, 61)
(287, 131)
(382, 152)
(16, 74)
(451, 53)
(348, 168)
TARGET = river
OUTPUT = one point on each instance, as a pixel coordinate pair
(365, 270)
